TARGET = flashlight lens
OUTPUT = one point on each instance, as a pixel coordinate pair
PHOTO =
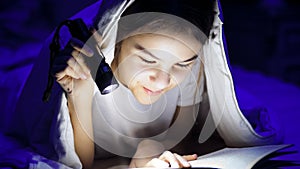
(110, 88)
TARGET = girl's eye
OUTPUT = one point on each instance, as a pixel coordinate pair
(147, 61)
(184, 65)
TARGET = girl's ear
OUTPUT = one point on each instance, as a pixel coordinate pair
(116, 54)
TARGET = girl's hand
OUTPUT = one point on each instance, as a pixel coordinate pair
(173, 160)
(147, 156)
(69, 65)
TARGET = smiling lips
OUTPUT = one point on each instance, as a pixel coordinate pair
(152, 93)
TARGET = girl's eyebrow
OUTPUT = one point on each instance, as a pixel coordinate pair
(141, 48)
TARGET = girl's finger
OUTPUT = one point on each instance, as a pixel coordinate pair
(157, 163)
(77, 70)
(190, 157)
(183, 162)
(81, 66)
(67, 72)
(170, 158)
(96, 35)
(81, 47)
(98, 39)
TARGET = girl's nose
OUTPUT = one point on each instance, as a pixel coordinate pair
(160, 79)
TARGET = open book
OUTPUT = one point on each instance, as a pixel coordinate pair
(236, 158)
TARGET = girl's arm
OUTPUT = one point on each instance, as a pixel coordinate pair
(76, 80)
(80, 107)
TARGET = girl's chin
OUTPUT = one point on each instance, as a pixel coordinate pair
(147, 99)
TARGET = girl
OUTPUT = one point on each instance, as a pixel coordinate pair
(157, 57)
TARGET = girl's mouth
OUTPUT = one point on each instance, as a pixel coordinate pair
(152, 93)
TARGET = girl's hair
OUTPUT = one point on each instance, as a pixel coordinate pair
(198, 12)
(157, 23)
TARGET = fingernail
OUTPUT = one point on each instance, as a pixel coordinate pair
(89, 51)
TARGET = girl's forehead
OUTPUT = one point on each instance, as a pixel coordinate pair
(178, 42)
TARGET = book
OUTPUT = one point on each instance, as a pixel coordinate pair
(237, 158)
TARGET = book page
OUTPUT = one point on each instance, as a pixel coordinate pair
(235, 158)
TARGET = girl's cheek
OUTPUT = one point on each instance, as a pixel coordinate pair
(179, 76)
(142, 77)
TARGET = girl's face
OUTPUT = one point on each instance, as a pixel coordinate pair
(150, 65)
